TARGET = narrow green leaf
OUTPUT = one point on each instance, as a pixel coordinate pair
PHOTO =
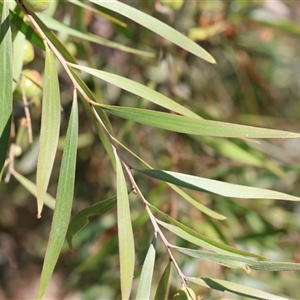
(156, 26)
(216, 187)
(198, 239)
(197, 204)
(144, 287)
(18, 53)
(61, 27)
(275, 266)
(235, 262)
(163, 285)
(31, 188)
(6, 81)
(81, 219)
(50, 124)
(137, 89)
(126, 241)
(190, 125)
(102, 114)
(234, 288)
(64, 199)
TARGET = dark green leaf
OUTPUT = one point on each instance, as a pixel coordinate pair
(6, 82)
(81, 219)
(163, 285)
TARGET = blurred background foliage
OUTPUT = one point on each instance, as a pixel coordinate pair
(255, 82)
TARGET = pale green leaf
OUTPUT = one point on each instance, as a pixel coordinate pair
(235, 262)
(275, 266)
(31, 188)
(102, 115)
(137, 89)
(190, 125)
(217, 187)
(125, 234)
(6, 82)
(50, 124)
(200, 240)
(234, 288)
(18, 53)
(61, 27)
(163, 285)
(204, 209)
(156, 26)
(144, 287)
(64, 199)
(81, 219)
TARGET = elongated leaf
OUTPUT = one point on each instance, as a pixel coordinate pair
(64, 199)
(190, 125)
(275, 266)
(56, 25)
(18, 53)
(137, 89)
(126, 241)
(102, 114)
(50, 125)
(81, 219)
(163, 285)
(198, 205)
(235, 262)
(6, 81)
(217, 187)
(144, 287)
(31, 188)
(198, 239)
(156, 26)
(234, 288)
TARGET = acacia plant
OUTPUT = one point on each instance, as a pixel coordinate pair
(19, 25)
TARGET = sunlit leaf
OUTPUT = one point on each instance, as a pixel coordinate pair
(144, 287)
(197, 204)
(275, 266)
(163, 285)
(6, 81)
(137, 89)
(81, 219)
(156, 26)
(50, 125)
(126, 241)
(190, 125)
(64, 199)
(217, 187)
(234, 288)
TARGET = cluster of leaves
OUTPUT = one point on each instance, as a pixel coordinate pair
(18, 24)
